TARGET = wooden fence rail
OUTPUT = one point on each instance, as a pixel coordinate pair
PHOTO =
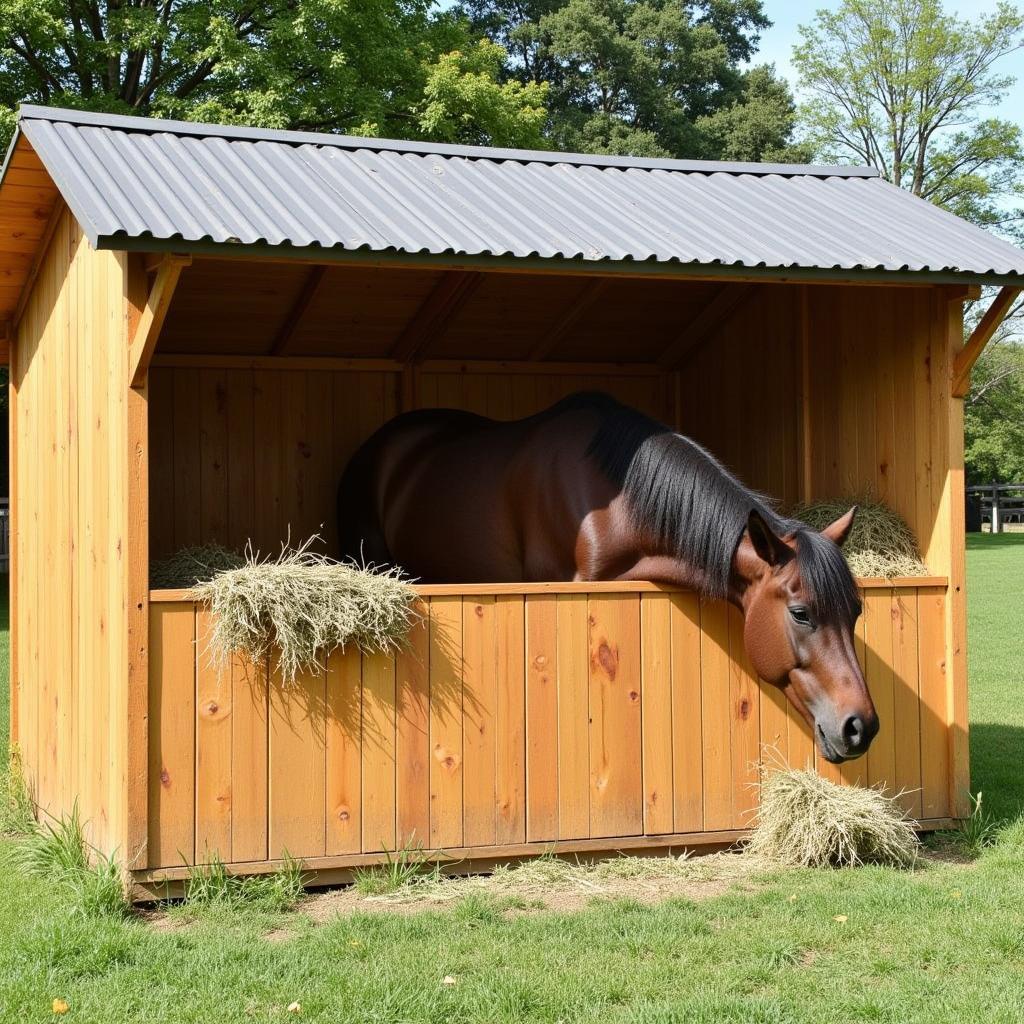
(513, 720)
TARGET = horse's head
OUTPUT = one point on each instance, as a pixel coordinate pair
(800, 606)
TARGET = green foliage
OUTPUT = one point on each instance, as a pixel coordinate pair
(979, 831)
(647, 77)
(90, 881)
(211, 886)
(994, 415)
(17, 813)
(331, 65)
(465, 102)
(397, 871)
(903, 86)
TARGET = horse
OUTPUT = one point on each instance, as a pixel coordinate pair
(591, 489)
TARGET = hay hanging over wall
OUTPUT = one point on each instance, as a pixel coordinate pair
(811, 822)
(189, 566)
(880, 544)
(297, 608)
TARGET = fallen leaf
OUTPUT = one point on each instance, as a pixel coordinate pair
(956, 894)
(354, 943)
(841, 918)
(792, 899)
(448, 980)
(60, 1006)
(295, 1007)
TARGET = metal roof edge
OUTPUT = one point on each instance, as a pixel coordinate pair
(524, 264)
(30, 112)
(67, 192)
(8, 156)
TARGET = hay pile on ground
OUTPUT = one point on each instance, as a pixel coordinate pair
(880, 544)
(189, 566)
(301, 606)
(809, 821)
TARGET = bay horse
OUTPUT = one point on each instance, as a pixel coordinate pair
(590, 489)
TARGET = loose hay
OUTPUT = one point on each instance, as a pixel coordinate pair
(809, 821)
(880, 543)
(301, 606)
(189, 566)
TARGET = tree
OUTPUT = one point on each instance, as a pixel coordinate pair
(332, 65)
(994, 410)
(465, 102)
(647, 77)
(902, 86)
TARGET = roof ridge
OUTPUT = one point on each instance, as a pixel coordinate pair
(33, 112)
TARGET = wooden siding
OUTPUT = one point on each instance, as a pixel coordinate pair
(70, 663)
(513, 718)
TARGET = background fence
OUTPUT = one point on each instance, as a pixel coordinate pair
(997, 506)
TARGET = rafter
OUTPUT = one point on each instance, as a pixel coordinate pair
(584, 300)
(436, 312)
(722, 306)
(151, 321)
(307, 294)
(965, 359)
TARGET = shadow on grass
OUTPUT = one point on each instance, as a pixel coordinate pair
(986, 541)
(997, 753)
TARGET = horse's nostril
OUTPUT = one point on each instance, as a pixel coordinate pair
(854, 732)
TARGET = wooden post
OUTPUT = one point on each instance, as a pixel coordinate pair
(997, 525)
(12, 535)
(136, 729)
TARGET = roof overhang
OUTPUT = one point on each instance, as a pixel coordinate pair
(138, 184)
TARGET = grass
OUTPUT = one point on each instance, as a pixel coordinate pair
(942, 942)
(210, 886)
(398, 871)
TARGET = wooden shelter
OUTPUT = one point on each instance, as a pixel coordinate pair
(205, 322)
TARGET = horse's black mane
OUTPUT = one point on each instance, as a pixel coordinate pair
(693, 504)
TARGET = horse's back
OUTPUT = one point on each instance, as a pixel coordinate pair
(452, 496)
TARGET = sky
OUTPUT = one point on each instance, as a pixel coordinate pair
(786, 15)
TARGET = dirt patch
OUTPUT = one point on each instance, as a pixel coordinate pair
(550, 884)
(159, 920)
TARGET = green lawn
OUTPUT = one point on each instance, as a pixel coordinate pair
(943, 943)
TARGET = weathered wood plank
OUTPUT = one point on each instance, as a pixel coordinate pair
(446, 731)
(541, 712)
(616, 782)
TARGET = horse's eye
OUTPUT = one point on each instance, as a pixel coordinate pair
(801, 616)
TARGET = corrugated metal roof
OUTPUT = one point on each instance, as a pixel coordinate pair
(130, 179)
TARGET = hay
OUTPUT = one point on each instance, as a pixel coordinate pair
(301, 606)
(809, 821)
(189, 566)
(880, 544)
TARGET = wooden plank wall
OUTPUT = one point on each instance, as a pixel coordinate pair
(831, 392)
(739, 392)
(71, 649)
(240, 454)
(512, 719)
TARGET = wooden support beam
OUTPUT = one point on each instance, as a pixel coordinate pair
(726, 301)
(436, 311)
(308, 292)
(963, 292)
(590, 293)
(151, 320)
(965, 359)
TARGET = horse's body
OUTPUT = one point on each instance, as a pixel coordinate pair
(592, 490)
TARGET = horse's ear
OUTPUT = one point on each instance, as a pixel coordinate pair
(769, 547)
(840, 529)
